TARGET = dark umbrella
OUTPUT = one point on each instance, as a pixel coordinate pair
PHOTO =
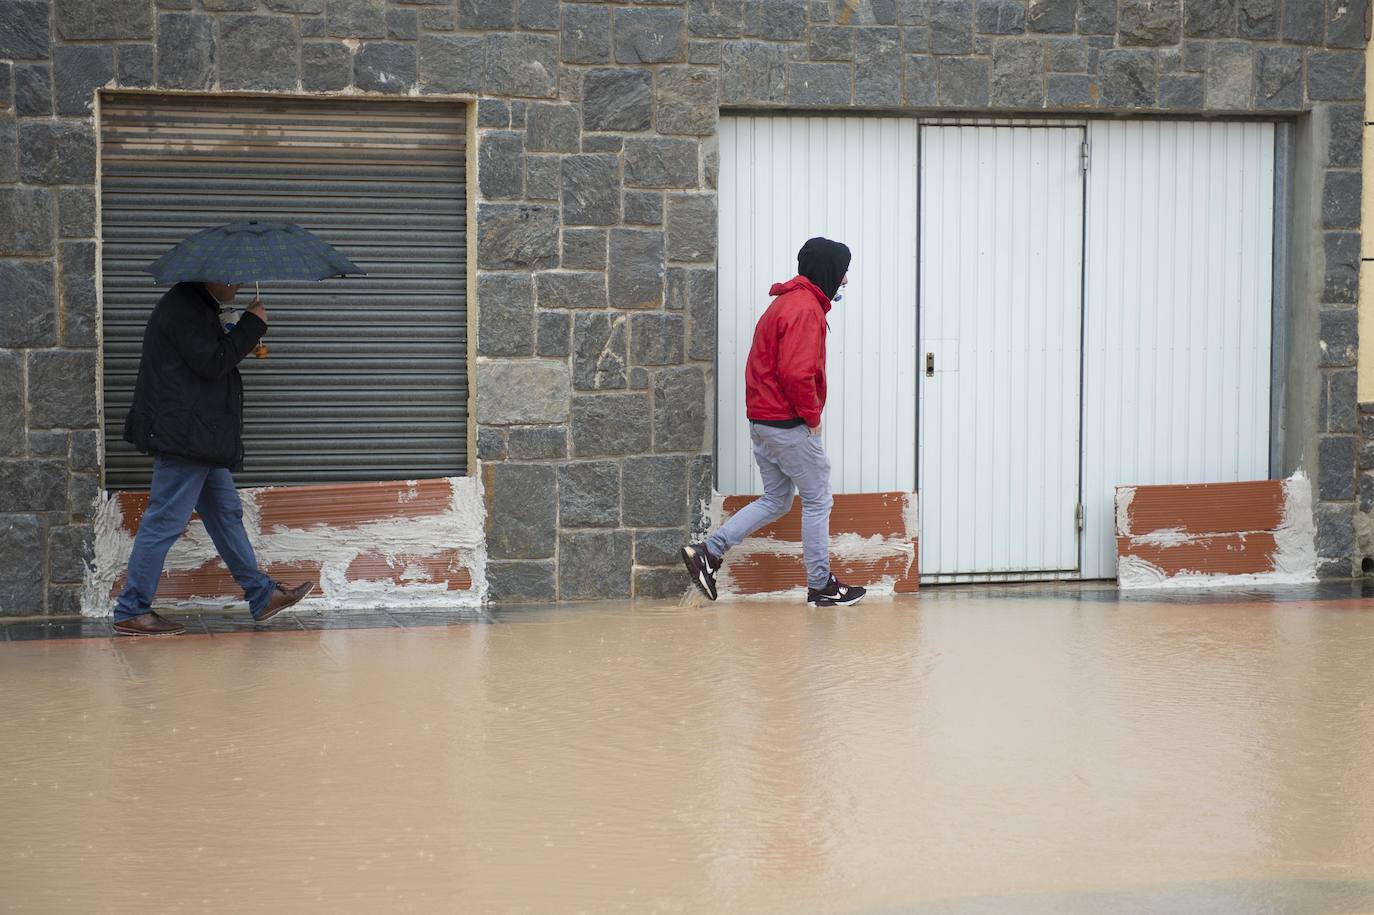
(251, 252)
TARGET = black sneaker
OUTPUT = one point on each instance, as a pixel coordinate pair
(834, 594)
(702, 566)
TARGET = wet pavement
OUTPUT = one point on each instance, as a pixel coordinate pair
(968, 751)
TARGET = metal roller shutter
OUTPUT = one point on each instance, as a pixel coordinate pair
(366, 378)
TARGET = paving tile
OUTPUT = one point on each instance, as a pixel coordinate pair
(58, 629)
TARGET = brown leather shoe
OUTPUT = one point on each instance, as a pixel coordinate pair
(282, 598)
(148, 624)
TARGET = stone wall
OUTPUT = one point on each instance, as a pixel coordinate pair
(595, 215)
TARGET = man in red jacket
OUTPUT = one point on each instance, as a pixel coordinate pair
(785, 396)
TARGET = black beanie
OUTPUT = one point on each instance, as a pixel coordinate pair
(823, 262)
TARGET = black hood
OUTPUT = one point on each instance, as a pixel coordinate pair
(823, 262)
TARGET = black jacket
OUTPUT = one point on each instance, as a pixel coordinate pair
(188, 402)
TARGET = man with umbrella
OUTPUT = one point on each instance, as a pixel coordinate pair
(188, 407)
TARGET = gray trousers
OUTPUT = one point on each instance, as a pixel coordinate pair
(790, 460)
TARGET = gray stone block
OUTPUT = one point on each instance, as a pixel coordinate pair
(1001, 17)
(1345, 127)
(537, 443)
(543, 178)
(1074, 90)
(686, 100)
(878, 67)
(617, 99)
(450, 63)
(660, 163)
(513, 236)
(84, 453)
(589, 494)
(654, 491)
(79, 70)
(1096, 17)
(753, 71)
(80, 312)
(920, 84)
(11, 405)
(6, 85)
(57, 152)
(1052, 16)
(314, 27)
(1366, 493)
(692, 228)
(603, 143)
(660, 584)
(555, 330)
(584, 249)
(1209, 18)
(386, 66)
(715, 18)
(104, 20)
(48, 444)
(586, 34)
(700, 482)
(1335, 76)
(1336, 468)
(402, 24)
(1228, 80)
(1129, 79)
(703, 53)
(501, 166)
(521, 582)
(519, 393)
(1341, 200)
(599, 351)
(522, 510)
(688, 286)
(591, 190)
(28, 318)
(185, 51)
(229, 6)
(539, 15)
(649, 36)
(1304, 21)
(136, 66)
(265, 52)
(24, 30)
(437, 19)
(308, 7)
(486, 15)
(1258, 19)
(610, 424)
(356, 18)
(775, 20)
(830, 42)
(326, 66)
(951, 27)
(33, 90)
(61, 388)
(553, 128)
(680, 409)
(571, 289)
(644, 208)
(962, 82)
(22, 597)
(1278, 79)
(491, 444)
(69, 552)
(1150, 23)
(594, 565)
(1342, 277)
(33, 486)
(83, 495)
(1335, 531)
(636, 273)
(27, 220)
(657, 338)
(1338, 337)
(493, 112)
(1342, 401)
(1184, 92)
(505, 314)
(21, 551)
(660, 547)
(1018, 67)
(521, 65)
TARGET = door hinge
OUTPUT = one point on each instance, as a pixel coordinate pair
(1084, 155)
(1080, 516)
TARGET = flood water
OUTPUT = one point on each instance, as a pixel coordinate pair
(975, 755)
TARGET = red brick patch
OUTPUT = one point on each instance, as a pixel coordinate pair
(346, 506)
(445, 567)
(1208, 508)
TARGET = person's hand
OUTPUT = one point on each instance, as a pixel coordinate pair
(256, 310)
(814, 430)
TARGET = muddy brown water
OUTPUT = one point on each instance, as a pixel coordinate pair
(954, 756)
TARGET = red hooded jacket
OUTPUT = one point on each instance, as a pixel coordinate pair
(785, 376)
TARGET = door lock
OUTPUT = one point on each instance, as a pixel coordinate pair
(930, 365)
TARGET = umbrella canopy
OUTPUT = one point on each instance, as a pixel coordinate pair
(248, 252)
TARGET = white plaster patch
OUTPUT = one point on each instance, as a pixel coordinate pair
(1125, 495)
(1171, 536)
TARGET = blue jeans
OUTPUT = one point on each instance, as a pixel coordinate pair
(788, 459)
(178, 489)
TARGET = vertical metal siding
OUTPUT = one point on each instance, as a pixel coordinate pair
(366, 377)
(1001, 274)
(782, 180)
(1178, 298)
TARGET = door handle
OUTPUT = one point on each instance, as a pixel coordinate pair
(930, 365)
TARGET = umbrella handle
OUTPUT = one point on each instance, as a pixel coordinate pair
(261, 350)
